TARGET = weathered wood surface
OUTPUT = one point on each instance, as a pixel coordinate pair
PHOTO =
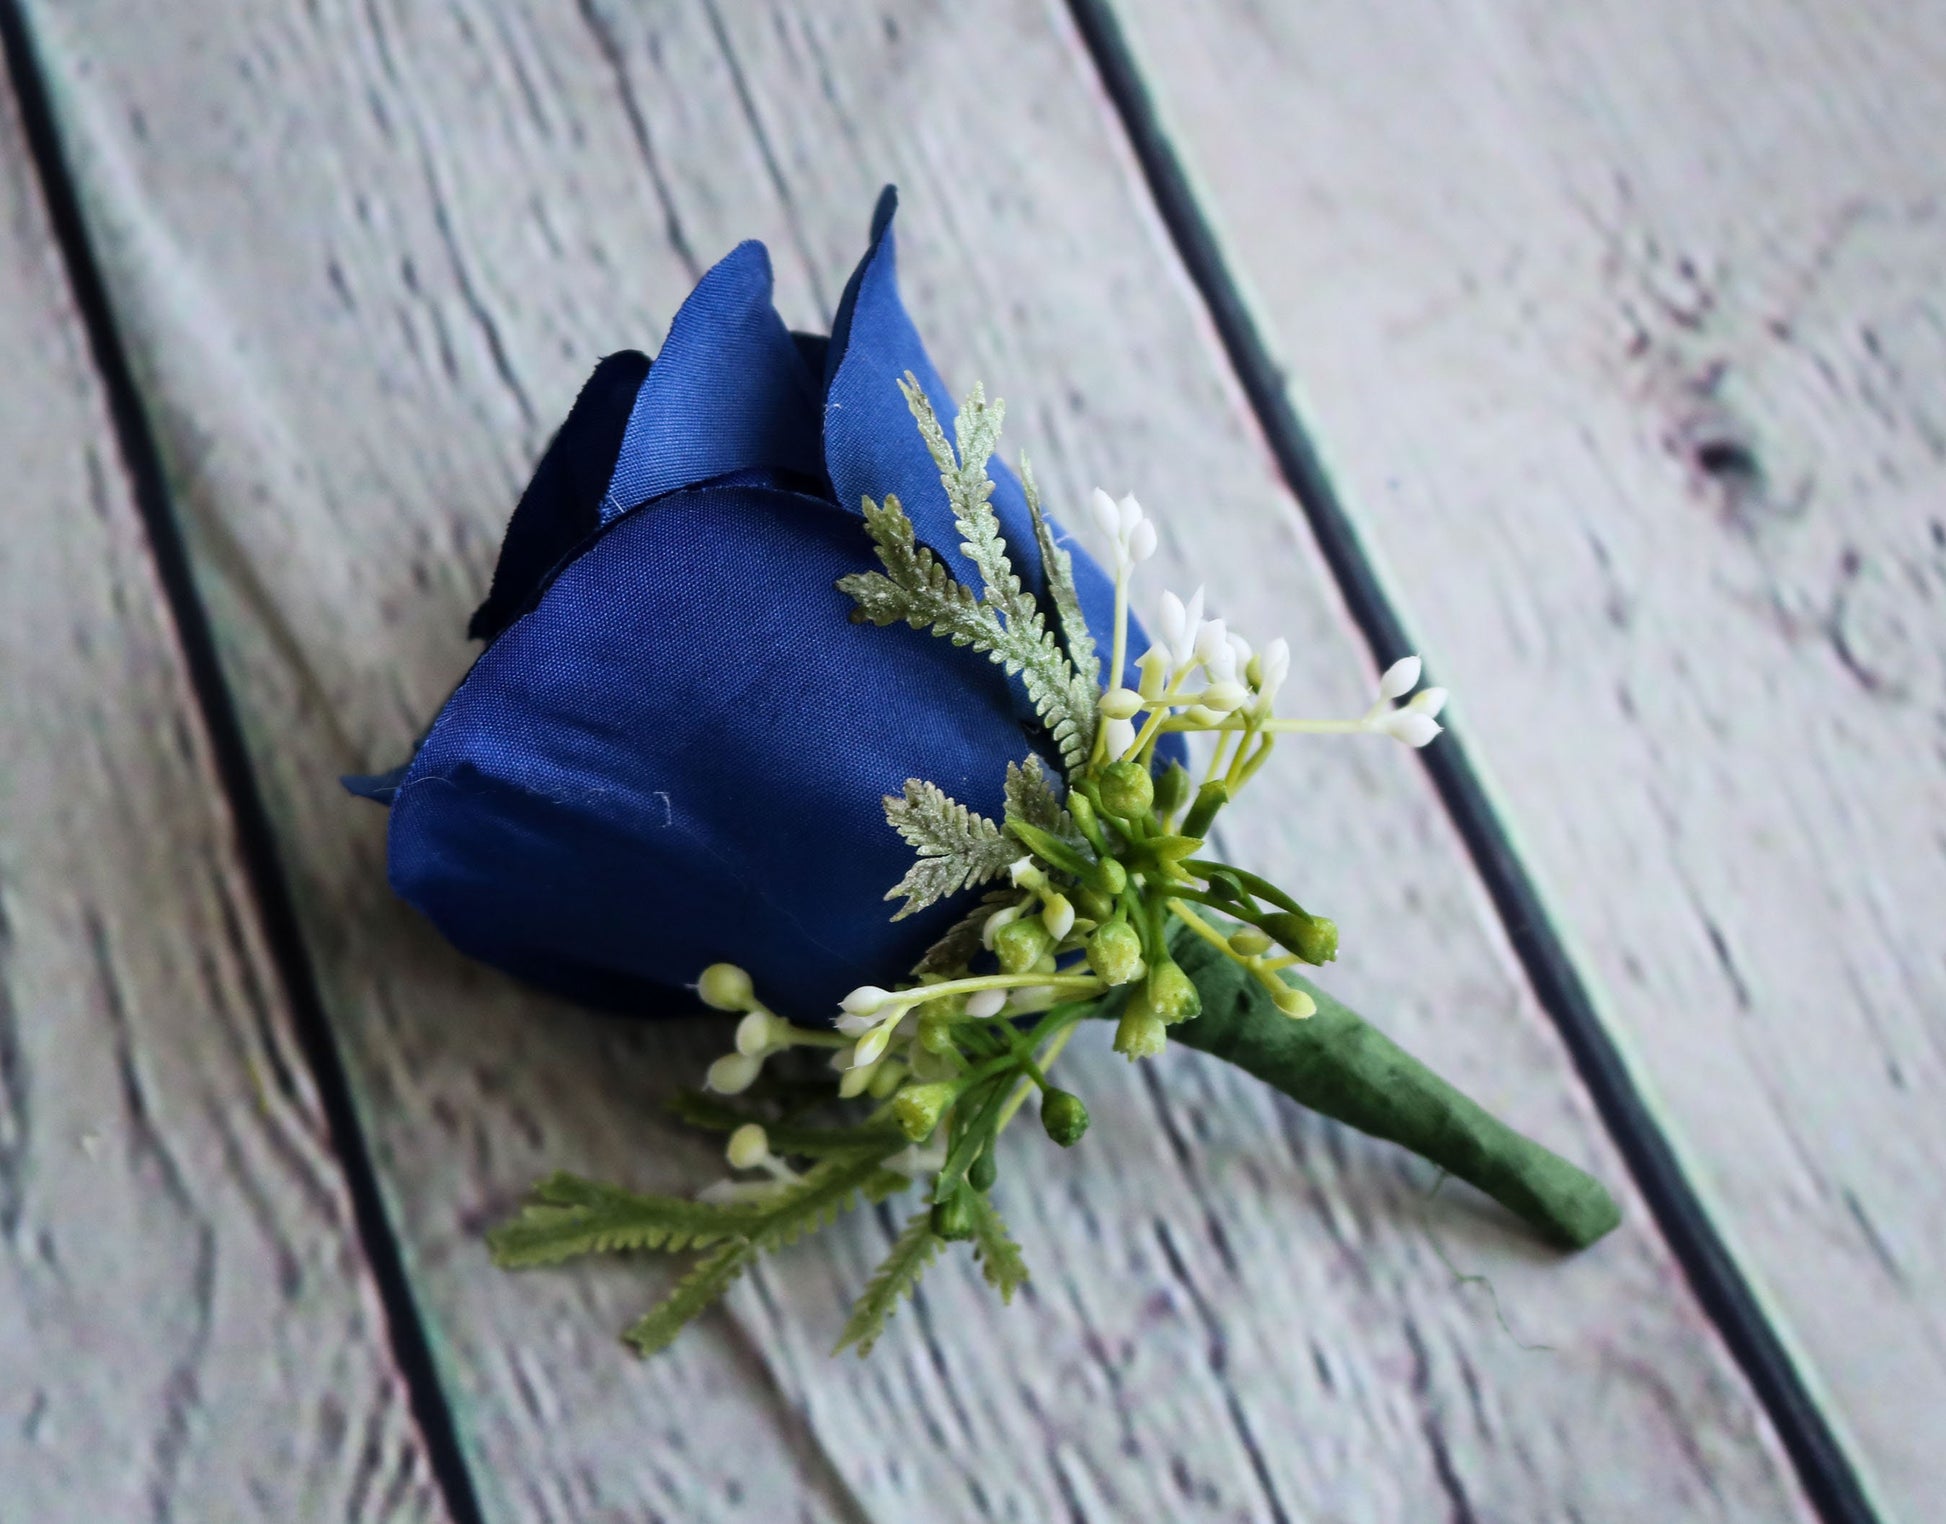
(1620, 327)
(366, 255)
(186, 1327)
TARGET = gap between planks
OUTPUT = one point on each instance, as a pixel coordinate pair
(256, 841)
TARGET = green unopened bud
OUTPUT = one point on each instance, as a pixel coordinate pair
(1057, 915)
(936, 1033)
(754, 1033)
(886, 1077)
(1081, 810)
(1293, 1002)
(1313, 938)
(1019, 945)
(1140, 1033)
(982, 1172)
(1172, 993)
(1126, 790)
(725, 987)
(733, 1074)
(1172, 791)
(749, 1146)
(954, 1217)
(1110, 876)
(1210, 798)
(1248, 942)
(1115, 952)
(1095, 905)
(1064, 1117)
(919, 1108)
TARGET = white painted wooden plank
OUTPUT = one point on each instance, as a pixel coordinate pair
(1621, 327)
(369, 254)
(187, 1327)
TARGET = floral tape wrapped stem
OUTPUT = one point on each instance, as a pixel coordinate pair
(1337, 1063)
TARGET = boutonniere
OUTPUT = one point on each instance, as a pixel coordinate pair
(776, 638)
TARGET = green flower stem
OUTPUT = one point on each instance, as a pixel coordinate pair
(812, 1037)
(1278, 727)
(1192, 922)
(1263, 888)
(1027, 1086)
(1079, 983)
(1338, 1064)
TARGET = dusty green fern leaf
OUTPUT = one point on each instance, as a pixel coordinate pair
(694, 1294)
(894, 1280)
(1000, 1257)
(714, 1114)
(1031, 797)
(1059, 568)
(962, 942)
(1005, 622)
(915, 586)
(957, 848)
(569, 1216)
(827, 1188)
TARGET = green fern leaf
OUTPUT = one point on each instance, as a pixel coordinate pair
(569, 1216)
(957, 848)
(713, 1114)
(1031, 797)
(1019, 639)
(895, 1279)
(962, 943)
(694, 1294)
(1058, 567)
(1000, 1257)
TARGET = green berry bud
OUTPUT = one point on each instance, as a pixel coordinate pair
(887, 1075)
(1248, 942)
(1140, 1033)
(1095, 905)
(1172, 994)
(1110, 876)
(919, 1108)
(936, 1033)
(1019, 945)
(1064, 1117)
(1081, 810)
(1126, 790)
(983, 1171)
(1210, 798)
(725, 987)
(1115, 952)
(1312, 937)
(1293, 1002)
(1172, 792)
(953, 1218)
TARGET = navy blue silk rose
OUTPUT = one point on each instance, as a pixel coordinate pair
(674, 748)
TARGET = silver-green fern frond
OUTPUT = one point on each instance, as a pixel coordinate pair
(957, 848)
(1005, 622)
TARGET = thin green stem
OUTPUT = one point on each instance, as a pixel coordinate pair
(1026, 1087)
(1280, 727)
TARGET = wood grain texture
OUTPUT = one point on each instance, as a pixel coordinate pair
(187, 1328)
(367, 255)
(1621, 328)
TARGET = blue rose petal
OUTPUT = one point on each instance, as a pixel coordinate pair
(674, 749)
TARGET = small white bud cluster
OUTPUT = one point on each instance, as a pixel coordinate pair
(1415, 722)
(1235, 680)
(1125, 527)
(761, 1033)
